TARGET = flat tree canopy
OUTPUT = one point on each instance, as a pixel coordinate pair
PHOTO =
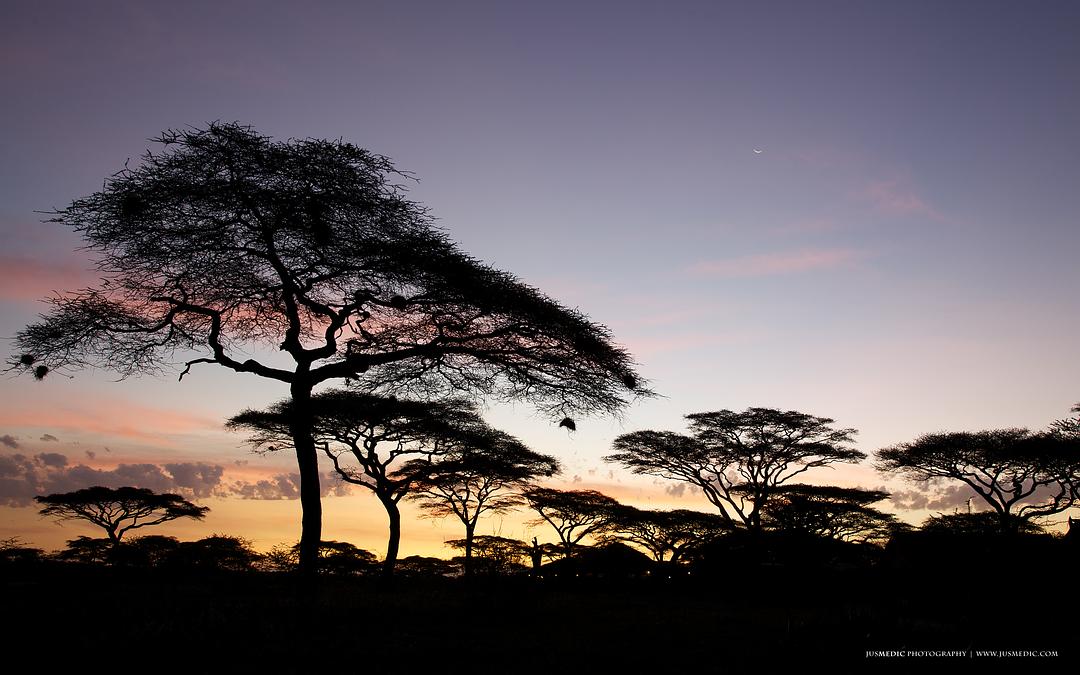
(976, 525)
(223, 242)
(662, 532)
(119, 510)
(830, 511)
(738, 459)
(1021, 475)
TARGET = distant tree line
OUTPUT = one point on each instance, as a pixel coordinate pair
(457, 465)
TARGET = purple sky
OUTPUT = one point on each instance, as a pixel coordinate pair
(901, 255)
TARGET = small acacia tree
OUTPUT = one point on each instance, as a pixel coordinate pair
(738, 459)
(119, 510)
(662, 532)
(224, 243)
(496, 555)
(831, 512)
(977, 525)
(484, 474)
(339, 558)
(1021, 475)
(575, 514)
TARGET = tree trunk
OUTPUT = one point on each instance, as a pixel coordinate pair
(307, 461)
(537, 557)
(113, 555)
(394, 515)
(1010, 524)
(470, 529)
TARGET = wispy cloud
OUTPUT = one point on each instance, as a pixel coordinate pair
(897, 197)
(775, 264)
(109, 416)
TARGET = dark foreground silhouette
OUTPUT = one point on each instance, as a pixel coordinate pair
(746, 600)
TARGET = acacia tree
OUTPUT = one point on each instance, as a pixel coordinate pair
(497, 555)
(369, 440)
(662, 532)
(829, 511)
(483, 474)
(119, 510)
(224, 242)
(738, 459)
(982, 524)
(335, 557)
(575, 514)
(1021, 475)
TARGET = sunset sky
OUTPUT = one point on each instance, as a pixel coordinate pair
(901, 255)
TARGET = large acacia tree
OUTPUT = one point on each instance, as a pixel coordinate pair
(222, 243)
(1021, 475)
(738, 459)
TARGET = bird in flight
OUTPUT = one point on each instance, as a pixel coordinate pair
(758, 151)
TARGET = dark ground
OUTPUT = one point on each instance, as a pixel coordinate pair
(65, 617)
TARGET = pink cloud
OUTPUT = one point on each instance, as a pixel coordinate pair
(108, 417)
(896, 197)
(772, 264)
(23, 278)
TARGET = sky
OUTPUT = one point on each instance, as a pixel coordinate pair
(860, 210)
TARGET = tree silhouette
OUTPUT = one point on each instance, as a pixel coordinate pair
(981, 525)
(218, 552)
(224, 242)
(1020, 474)
(368, 438)
(1070, 426)
(738, 459)
(119, 510)
(339, 558)
(14, 552)
(575, 514)
(150, 550)
(485, 474)
(89, 550)
(829, 511)
(492, 554)
(662, 532)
